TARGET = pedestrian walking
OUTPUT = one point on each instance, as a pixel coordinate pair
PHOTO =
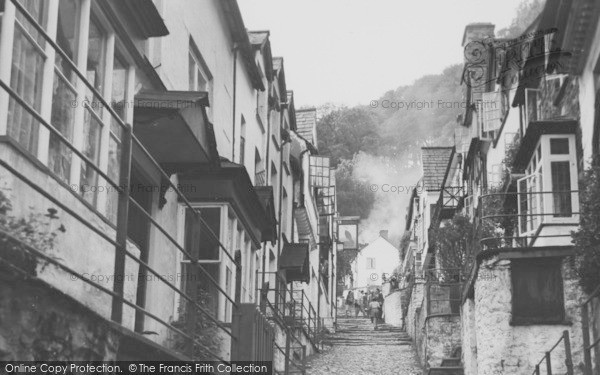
(349, 302)
(374, 311)
(365, 304)
(358, 304)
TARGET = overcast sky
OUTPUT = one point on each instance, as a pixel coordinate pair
(352, 51)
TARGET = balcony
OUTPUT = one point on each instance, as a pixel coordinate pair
(527, 218)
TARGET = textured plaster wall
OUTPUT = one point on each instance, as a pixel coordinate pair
(469, 338)
(506, 349)
(392, 308)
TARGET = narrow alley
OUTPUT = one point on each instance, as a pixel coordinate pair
(355, 348)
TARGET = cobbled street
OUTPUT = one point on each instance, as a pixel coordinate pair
(358, 349)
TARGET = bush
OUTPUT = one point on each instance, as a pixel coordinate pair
(587, 237)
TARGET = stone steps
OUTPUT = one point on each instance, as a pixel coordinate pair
(445, 371)
(359, 331)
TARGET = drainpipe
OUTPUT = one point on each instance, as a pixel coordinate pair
(235, 55)
(283, 143)
(267, 167)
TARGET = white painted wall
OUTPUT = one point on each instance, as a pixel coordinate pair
(386, 257)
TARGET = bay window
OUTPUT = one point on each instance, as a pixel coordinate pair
(46, 80)
(547, 194)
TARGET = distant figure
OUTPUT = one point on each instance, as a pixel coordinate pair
(349, 302)
(374, 311)
(379, 298)
(357, 304)
(365, 303)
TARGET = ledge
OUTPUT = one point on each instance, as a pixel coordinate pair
(533, 322)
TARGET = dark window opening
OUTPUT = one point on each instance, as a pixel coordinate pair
(559, 146)
(561, 185)
(537, 291)
(198, 234)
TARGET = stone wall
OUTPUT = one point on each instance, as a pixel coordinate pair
(442, 338)
(41, 323)
(392, 308)
(509, 349)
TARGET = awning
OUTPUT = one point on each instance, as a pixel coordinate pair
(294, 261)
(174, 128)
(230, 183)
(143, 17)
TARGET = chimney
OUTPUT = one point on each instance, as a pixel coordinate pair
(477, 31)
(383, 234)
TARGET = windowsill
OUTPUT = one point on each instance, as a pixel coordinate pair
(537, 322)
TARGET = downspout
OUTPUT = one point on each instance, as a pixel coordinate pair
(283, 143)
(267, 165)
(235, 55)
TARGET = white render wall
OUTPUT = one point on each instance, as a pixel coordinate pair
(387, 258)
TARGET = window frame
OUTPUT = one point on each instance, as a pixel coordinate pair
(543, 266)
(85, 12)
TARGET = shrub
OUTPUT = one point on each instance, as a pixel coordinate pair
(587, 237)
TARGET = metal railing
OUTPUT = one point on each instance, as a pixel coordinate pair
(591, 331)
(517, 219)
(443, 290)
(546, 361)
(193, 347)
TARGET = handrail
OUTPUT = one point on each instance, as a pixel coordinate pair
(588, 346)
(548, 356)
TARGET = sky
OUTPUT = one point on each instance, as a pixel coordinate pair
(349, 52)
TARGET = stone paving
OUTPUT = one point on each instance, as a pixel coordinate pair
(356, 348)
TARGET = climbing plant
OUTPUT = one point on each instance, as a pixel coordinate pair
(39, 231)
(587, 238)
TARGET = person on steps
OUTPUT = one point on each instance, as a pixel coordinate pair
(349, 302)
(374, 311)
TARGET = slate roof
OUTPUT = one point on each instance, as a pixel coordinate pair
(306, 124)
(436, 161)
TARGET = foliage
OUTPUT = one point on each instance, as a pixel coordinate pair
(587, 237)
(344, 258)
(527, 12)
(206, 333)
(353, 195)
(345, 132)
(452, 243)
(37, 230)
(510, 156)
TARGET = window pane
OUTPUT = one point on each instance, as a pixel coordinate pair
(95, 60)
(191, 72)
(26, 80)
(119, 84)
(37, 9)
(92, 128)
(66, 36)
(114, 165)
(196, 233)
(559, 146)
(62, 117)
(561, 183)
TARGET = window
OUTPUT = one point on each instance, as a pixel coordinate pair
(26, 77)
(55, 95)
(537, 291)
(199, 76)
(370, 263)
(561, 186)
(92, 123)
(63, 90)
